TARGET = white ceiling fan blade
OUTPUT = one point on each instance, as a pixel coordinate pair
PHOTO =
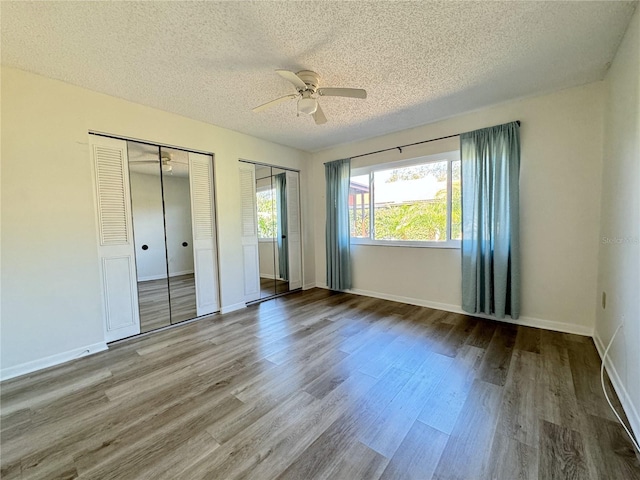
(343, 92)
(143, 161)
(318, 116)
(293, 78)
(274, 102)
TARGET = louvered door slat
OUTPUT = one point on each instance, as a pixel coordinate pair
(247, 194)
(203, 200)
(112, 210)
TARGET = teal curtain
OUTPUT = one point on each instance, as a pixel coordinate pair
(490, 220)
(338, 177)
(282, 232)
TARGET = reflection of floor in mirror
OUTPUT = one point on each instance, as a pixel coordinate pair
(268, 289)
(183, 298)
(153, 299)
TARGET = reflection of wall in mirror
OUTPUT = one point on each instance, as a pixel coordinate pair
(268, 252)
(263, 183)
(148, 225)
(177, 204)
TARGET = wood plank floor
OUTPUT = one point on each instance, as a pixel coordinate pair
(316, 385)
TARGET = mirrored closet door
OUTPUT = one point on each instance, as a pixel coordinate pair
(177, 220)
(157, 223)
(271, 230)
(161, 181)
(149, 233)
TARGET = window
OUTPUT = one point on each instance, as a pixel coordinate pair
(266, 203)
(414, 202)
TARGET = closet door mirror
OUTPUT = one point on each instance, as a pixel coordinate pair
(277, 210)
(267, 230)
(149, 235)
(281, 244)
(179, 237)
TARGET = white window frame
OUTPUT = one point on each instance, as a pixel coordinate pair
(369, 170)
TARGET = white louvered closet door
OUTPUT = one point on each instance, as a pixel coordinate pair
(115, 238)
(204, 239)
(251, 260)
(293, 230)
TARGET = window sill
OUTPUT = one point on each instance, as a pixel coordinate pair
(451, 244)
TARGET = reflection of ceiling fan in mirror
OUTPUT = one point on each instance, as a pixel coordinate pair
(167, 161)
(307, 84)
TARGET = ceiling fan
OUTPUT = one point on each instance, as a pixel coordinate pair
(308, 91)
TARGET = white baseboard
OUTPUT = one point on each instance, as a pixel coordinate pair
(233, 308)
(627, 404)
(161, 276)
(526, 321)
(59, 358)
(309, 286)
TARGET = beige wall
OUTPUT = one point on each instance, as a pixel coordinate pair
(51, 304)
(619, 262)
(560, 185)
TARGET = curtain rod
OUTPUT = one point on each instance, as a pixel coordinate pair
(400, 147)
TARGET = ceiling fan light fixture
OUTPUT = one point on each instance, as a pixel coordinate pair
(307, 105)
(167, 167)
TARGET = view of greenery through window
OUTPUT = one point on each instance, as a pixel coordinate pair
(410, 203)
(266, 200)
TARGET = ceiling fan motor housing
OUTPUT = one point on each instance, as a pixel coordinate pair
(311, 79)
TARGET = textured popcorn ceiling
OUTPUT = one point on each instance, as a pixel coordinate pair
(214, 61)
